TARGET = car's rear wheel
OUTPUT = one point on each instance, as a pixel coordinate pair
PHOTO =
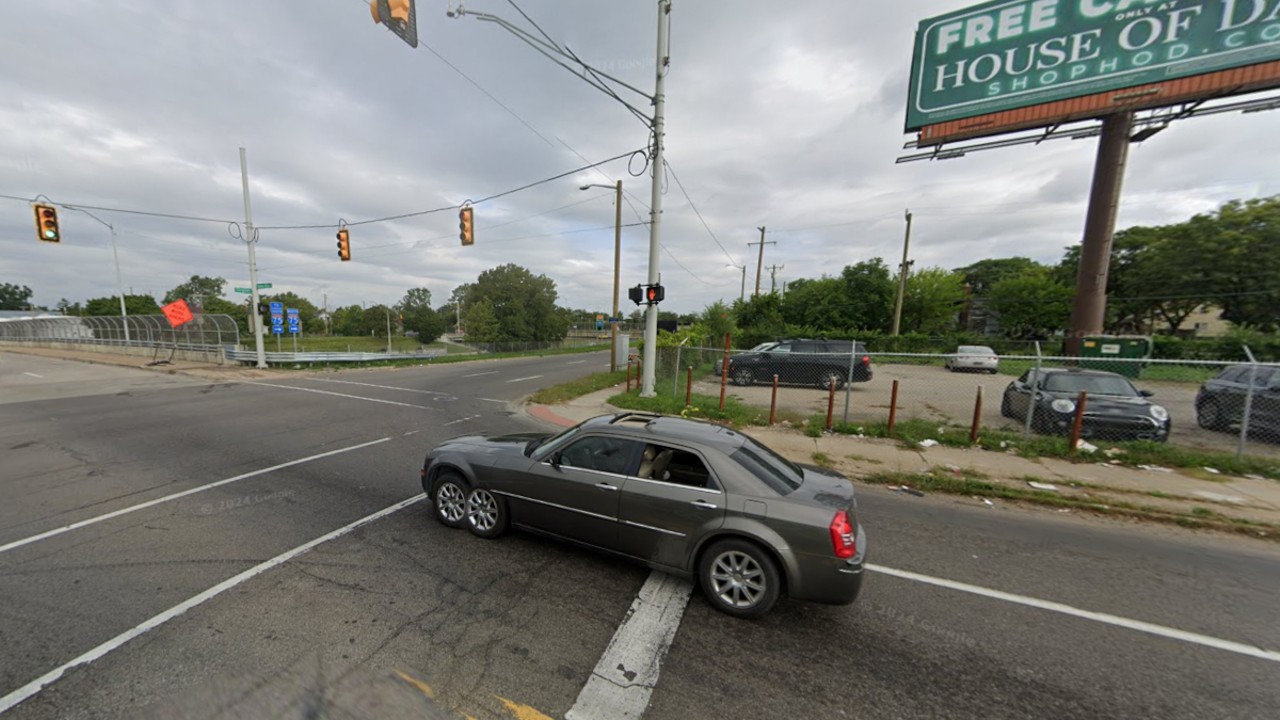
(486, 514)
(740, 578)
(1209, 416)
(743, 376)
(829, 378)
(449, 499)
(1006, 409)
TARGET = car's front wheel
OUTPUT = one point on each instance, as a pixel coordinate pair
(831, 378)
(1209, 416)
(486, 514)
(740, 578)
(743, 376)
(449, 499)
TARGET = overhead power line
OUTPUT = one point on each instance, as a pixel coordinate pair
(680, 185)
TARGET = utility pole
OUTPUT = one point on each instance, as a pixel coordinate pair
(617, 262)
(655, 212)
(328, 329)
(388, 331)
(773, 277)
(902, 279)
(250, 240)
(760, 261)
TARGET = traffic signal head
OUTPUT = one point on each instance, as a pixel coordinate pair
(466, 225)
(47, 223)
(655, 293)
(344, 244)
(636, 294)
(399, 16)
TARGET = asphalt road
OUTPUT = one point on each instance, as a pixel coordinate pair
(935, 394)
(376, 619)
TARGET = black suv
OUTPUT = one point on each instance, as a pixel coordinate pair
(1220, 402)
(802, 362)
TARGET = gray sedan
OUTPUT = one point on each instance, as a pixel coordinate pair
(683, 496)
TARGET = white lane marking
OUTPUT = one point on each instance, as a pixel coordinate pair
(455, 422)
(382, 387)
(491, 372)
(35, 686)
(184, 493)
(531, 377)
(492, 400)
(33, 375)
(344, 395)
(579, 362)
(627, 672)
(1139, 625)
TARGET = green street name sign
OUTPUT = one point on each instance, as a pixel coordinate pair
(244, 290)
(263, 286)
(1011, 54)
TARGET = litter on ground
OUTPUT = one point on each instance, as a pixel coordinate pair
(1155, 468)
(1042, 486)
(928, 443)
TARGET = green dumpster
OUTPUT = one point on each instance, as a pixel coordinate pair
(1122, 354)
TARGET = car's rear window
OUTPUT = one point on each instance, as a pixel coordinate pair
(772, 469)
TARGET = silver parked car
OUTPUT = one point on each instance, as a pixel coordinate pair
(973, 357)
(684, 496)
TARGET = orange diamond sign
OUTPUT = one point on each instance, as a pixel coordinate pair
(177, 312)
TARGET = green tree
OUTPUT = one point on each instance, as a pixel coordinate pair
(14, 297)
(419, 316)
(869, 291)
(238, 312)
(524, 304)
(985, 273)
(197, 291)
(1034, 305)
(817, 303)
(718, 321)
(350, 321)
(931, 301)
(1244, 241)
(66, 307)
(481, 323)
(134, 305)
(760, 317)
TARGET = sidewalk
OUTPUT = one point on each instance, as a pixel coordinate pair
(1164, 489)
(213, 371)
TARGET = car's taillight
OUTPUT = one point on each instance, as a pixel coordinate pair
(866, 360)
(843, 540)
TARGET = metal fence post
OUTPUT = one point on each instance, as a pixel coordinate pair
(675, 382)
(1248, 403)
(848, 379)
(1031, 401)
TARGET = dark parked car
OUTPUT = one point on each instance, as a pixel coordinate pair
(1114, 409)
(683, 496)
(803, 362)
(1220, 402)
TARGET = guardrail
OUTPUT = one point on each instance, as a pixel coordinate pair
(237, 355)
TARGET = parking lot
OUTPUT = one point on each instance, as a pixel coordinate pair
(936, 394)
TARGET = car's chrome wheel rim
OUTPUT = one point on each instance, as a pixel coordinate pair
(743, 377)
(737, 579)
(830, 380)
(482, 510)
(451, 502)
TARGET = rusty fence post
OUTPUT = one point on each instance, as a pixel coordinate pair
(893, 407)
(724, 370)
(977, 417)
(1078, 424)
(831, 402)
(773, 403)
(628, 376)
(688, 388)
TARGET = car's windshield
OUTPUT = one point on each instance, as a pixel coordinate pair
(776, 471)
(551, 444)
(1092, 384)
(762, 347)
(975, 350)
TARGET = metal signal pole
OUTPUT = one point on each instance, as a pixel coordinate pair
(655, 203)
(250, 240)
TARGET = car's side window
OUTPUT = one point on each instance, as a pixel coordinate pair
(1263, 378)
(781, 348)
(673, 465)
(1234, 374)
(603, 453)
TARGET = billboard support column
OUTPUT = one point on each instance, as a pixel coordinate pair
(1088, 312)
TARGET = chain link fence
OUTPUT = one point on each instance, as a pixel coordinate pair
(533, 345)
(1198, 404)
(204, 333)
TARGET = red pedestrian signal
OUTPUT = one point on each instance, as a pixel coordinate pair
(655, 294)
(344, 245)
(47, 223)
(467, 225)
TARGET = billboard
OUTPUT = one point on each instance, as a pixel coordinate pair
(1004, 56)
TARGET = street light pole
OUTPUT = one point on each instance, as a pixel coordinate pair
(902, 279)
(124, 313)
(253, 264)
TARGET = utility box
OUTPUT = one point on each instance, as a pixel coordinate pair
(1120, 354)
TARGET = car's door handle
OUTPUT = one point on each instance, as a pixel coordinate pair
(703, 505)
(607, 486)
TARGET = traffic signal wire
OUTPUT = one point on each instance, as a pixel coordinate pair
(78, 206)
(432, 211)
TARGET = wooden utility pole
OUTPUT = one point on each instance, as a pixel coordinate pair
(760, 261)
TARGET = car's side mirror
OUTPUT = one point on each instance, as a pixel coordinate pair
(554, 459)
(1145, 393)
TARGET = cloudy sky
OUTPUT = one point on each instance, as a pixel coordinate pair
(787, 115)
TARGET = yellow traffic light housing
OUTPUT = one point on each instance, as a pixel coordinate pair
(47, 223)
(466, 225)
(400, 17)
(344, 245)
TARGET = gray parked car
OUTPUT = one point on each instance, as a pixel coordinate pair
(684, 496)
